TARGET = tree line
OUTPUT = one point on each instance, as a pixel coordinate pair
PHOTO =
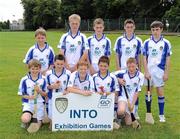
(53, 13)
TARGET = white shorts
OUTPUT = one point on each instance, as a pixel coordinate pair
(156, 77)
(30, 107)
(50, 108)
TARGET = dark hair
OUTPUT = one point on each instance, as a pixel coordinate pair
(129, 21)
(59, 57)
(103, 59)
(156, 24)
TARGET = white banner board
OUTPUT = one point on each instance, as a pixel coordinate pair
(76, 112)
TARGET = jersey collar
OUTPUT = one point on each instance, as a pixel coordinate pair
(132, 37)
(86, 77)
(54, 72)
(37, 46)
(103, 36)
(30, 77)
(70, 33)
(136, 73)
(152, 38)
(108, 73)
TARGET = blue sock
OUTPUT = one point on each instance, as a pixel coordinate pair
(161, 104)
(148, 103)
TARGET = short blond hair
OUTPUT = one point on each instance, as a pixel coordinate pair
(131, 60)
(98, 21)
(34, 63)
(82, 63)
(74, 17)
(41, 31)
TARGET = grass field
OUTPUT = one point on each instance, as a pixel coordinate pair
(13, 47)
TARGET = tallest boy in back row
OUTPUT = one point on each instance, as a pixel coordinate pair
(73, 44)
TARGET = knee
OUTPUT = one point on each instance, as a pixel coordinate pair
(121, 111)
(25, 118)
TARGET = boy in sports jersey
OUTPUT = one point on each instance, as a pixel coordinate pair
(133, 80)
(126, 46)
(73, 45)
(41, 51)
(156, 59)
(99, 45)
(57, 80)
(106, 80)
(30, 83)
(80, 81)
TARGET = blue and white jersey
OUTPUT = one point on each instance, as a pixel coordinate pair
(98, 48)
(86, 84)
(52, 77)
(44, 56)
(109, 83)
(26, 87)
(126, 48)
(73, 47)
(133, 84)
(156, 52)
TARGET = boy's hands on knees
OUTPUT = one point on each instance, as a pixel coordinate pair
(121, 81)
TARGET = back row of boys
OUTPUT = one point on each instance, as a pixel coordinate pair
(79, 57)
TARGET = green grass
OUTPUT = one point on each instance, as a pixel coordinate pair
(13, 47)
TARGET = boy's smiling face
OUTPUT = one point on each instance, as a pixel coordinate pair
(103, 67)
(82, 69)
(34, 70)
(41, 39)
(131, 68)
(59, 64)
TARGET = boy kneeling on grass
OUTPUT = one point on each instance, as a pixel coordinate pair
(32, 89)
(133, 80)
(105, 82)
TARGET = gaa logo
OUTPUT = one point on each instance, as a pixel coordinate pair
(61, 104)
(134, 46)
(104, 102)
(85, 88)
(64, 82)
(79, 42)
(161, 48)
